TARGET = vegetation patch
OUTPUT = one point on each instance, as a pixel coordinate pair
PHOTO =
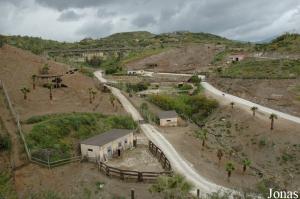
(147, 114)
(286, 43)
(6, 186)
(60, 133)
(141, 86)
(196, 107)
(263, 69)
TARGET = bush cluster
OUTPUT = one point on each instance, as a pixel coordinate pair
(196, 107)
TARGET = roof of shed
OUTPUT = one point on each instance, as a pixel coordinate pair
(104, 138)
(167, 114)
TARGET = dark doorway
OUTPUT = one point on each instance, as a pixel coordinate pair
(119, 152)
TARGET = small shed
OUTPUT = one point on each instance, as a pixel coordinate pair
(237, 57)
(168, 118)
(107, 145)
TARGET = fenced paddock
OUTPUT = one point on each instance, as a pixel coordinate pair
(139, 176)
(31, 158)
(160, 155)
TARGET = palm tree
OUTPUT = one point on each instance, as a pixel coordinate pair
(219, 155)
(90, 95)
(246, 163)
(253, 109)
(50, 87)
(112, 100)
(232, 104)
(229, 168)
(33, 81)
(174, 187)
(272, 118)
(203, 136)
(94, 94)
(25, 90)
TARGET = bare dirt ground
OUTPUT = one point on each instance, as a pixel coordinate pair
(274, 153)
(17, 155)
(138, 159)
(185, 59)
(77, 180)
(283, 95)
(17, 67)
(71, 181)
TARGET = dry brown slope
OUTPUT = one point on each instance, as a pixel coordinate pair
(189, 58)
(282, 95)
(17, 67)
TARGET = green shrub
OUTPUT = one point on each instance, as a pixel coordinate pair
(5, 143)
(195, 79)
(185, 87)
(137, 87)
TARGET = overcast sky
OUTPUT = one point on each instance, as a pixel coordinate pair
(70, 20)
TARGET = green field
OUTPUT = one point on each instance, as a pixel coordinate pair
(263, 69)
(60, 133)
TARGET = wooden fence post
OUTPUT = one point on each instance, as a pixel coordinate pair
(121, 175)
(132, 194)
(140, 176)
(107, 171)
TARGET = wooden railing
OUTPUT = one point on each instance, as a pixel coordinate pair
(139, 176)
(160, 155)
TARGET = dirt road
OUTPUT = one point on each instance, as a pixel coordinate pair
(247, 104)
(177, 162)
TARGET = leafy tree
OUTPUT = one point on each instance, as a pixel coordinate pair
(25, 90)
(94, 61)
(254, 109)
(246, 163)
(195, 79)
(229, 168)
(272, 118)
(175, 187)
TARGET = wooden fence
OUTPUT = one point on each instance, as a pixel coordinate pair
(139, 176)
(49, 164)
(160, 155)
(16, 117)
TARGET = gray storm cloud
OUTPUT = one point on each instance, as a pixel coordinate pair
(243, 20)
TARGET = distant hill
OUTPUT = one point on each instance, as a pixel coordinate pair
(286, 43)
(143, 39)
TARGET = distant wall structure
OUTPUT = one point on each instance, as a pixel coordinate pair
(80, 55)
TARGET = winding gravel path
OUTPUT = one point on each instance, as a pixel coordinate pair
(178, 163)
